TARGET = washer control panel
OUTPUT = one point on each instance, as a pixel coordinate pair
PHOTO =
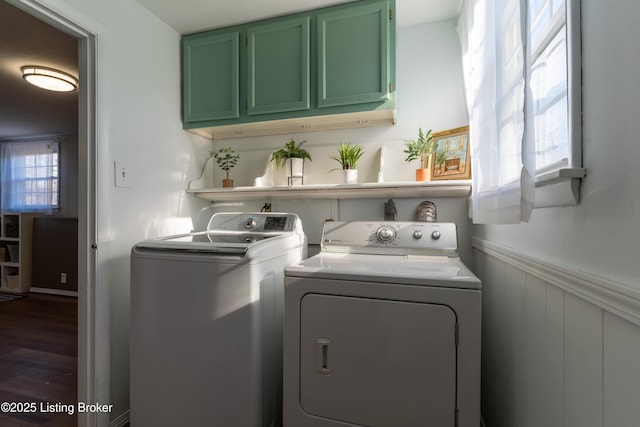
(253, 222)
(394, 237)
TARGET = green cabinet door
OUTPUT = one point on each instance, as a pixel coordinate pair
(210, 67)
(278, 66)
(353, 55)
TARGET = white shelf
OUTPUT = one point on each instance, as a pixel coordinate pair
(9, 264)
(376, 190)
(15, 275)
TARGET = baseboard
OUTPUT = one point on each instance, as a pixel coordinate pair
(53, 292)
(613, 297)
(121, 421)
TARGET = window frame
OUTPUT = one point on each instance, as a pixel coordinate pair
(23, 181)
(559, 184)
(33, 181)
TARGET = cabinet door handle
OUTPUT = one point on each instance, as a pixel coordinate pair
(322, 356)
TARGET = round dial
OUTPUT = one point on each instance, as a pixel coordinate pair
(385, 233)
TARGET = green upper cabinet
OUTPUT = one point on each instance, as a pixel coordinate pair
(210, 73)
(278, 65)
(353, 55)
(323, 69)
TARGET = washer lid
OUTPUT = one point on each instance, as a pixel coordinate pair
(439, 271)
(254, 246)
(196, 242)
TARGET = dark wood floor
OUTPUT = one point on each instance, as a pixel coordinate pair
(38, 359)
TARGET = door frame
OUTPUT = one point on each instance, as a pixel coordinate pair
(93, 348)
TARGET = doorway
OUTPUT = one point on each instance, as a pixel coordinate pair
(91, 345)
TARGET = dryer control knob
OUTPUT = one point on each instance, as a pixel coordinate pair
(385, 234)
(435, 235)
(417, 234)
(250, 223)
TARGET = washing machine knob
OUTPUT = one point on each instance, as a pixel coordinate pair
(250, 223)
(435, 235)
(385, 234)
(417, 234)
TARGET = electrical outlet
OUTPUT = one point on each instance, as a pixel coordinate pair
(63, 278)
(122, 174)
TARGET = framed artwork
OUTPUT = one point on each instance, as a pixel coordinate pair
(452, 159)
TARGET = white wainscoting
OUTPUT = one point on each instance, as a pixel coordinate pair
(559, 348)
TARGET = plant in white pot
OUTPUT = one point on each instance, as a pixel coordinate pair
(227, 160)
(422, 149)
(348, 156)
(292, 156)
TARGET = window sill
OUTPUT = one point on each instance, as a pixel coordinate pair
(558, 188)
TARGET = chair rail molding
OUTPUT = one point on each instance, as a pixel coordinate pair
(611, 296)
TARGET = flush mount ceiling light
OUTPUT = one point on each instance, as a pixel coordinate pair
(50, 79)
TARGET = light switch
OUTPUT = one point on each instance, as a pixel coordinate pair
(122, 174)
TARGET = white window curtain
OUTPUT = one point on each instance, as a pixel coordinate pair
(503, 186)
(29, 176)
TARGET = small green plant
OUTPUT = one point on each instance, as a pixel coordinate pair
(226, 159)
(420, 148)
(348, 155)
(291, 149)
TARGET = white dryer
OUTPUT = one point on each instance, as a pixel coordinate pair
(206, 322)
(382, 329)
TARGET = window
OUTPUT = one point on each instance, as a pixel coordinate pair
(523, 87)
(549, 69)
(29, 173)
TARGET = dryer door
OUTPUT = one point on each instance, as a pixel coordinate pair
(377, 363)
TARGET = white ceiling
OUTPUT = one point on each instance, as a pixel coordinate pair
(189, 16)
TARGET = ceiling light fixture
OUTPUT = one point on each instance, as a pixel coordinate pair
(49, 78)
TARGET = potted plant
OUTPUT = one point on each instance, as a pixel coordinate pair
(227, 160)
(421, 148)
(348, 156)
(292, 156)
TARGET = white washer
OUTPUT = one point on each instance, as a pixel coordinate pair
(206, 322)
(382, 329)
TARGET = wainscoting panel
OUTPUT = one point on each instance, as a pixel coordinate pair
(621, 372)
(534, 366)
(551, 356)
(582, 363)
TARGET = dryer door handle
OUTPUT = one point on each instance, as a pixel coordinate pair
(322, 356)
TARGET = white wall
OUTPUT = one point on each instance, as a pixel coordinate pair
(560, 345)
(138, 111)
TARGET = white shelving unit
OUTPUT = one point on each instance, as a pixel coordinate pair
(15, 251)
(338, 191)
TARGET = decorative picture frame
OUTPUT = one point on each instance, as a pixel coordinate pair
(452, 158)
